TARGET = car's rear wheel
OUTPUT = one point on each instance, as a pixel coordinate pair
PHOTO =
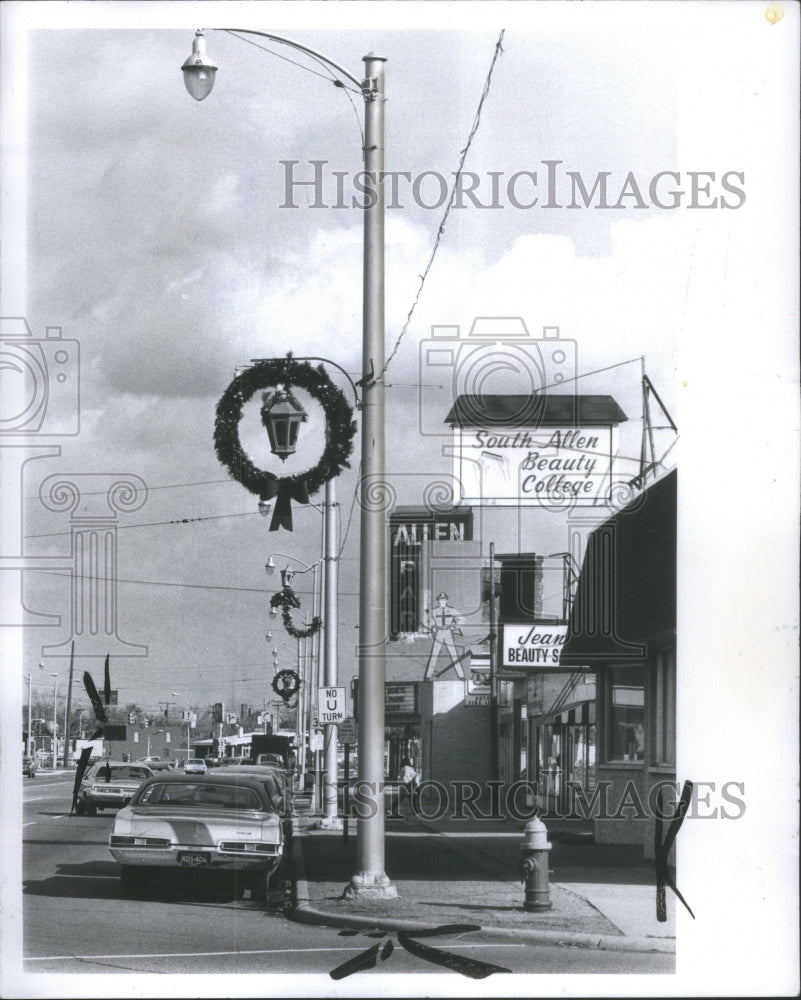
(91, 809)
(130, 882)
(80, 807)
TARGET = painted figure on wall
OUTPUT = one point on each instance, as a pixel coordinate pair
(443, 626)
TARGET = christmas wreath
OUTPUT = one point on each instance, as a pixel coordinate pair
(286, 684)
(340, 428)
(287, 598)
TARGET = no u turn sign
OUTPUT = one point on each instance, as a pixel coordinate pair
(330, 705)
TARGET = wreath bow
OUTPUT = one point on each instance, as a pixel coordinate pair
(283, 491)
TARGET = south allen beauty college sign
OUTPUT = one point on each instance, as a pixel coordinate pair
(513, 450)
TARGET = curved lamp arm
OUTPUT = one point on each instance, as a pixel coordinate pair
(199, 71)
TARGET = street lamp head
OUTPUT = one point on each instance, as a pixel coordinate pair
(198, 70)
(265, 506)
(270, 566)
(282, 416)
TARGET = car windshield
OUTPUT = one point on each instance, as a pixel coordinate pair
(122, 772)
(200, 796)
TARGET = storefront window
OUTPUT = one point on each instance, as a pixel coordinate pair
(625, 714)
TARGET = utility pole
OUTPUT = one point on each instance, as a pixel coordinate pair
(68, 708)
(494, 769)
(330, 569)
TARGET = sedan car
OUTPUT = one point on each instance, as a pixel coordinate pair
(209, 824)
(157, 763)
(29, 767)
(109, 785)
(195, 766)
(275, 781)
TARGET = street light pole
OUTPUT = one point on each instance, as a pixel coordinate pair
(55, 719)
(370, 878)
(30, 741)
(331, 820)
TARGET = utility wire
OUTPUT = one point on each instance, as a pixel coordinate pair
(66, 574)
(448, 207)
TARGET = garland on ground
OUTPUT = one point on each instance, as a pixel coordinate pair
(340, 428)
(286, 684)
(287, 599)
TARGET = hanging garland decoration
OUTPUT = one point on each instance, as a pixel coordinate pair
(287, 598)
(340, 428)
(286, 685)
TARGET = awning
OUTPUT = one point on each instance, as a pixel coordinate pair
(626, 593)
(582, 713)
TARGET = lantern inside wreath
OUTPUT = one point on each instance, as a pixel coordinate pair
(282, 416)
(286, 685)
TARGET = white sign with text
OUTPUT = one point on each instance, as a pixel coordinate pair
(532, 465)
(330, 705)
(532, 645)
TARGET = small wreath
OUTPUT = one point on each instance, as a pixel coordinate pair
(287, 598)
(286, 684)
(340, 428)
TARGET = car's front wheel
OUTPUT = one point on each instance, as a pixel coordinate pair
(260, 887)
(80, 807)
(91, 809)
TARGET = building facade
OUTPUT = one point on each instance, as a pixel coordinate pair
(623, 626)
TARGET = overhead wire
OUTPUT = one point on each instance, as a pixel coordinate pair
(448, 207)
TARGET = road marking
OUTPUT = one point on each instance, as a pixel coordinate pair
(260, 951)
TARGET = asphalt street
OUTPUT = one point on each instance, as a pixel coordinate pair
(74, 920)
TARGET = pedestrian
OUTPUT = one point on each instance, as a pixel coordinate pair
(408, 778)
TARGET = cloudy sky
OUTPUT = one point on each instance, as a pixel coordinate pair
(157, 235)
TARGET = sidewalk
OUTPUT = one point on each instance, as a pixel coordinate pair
(468, 873)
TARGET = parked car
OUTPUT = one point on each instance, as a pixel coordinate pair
(29, 767)
(275, 780)
(157, 763)
(109, 785)
(195, 766)
(270, 758)
(220, 824)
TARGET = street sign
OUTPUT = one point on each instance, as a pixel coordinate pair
(347, 731)
(330, 705)
(316, 741)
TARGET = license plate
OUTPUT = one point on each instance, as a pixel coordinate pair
(194, 859)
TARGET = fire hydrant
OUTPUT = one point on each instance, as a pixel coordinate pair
(535, 866)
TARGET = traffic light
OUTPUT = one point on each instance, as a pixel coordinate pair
(145, 723)
(167, 712)
(131, 718)
(218, 712)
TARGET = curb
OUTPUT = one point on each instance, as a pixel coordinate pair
(304, 912)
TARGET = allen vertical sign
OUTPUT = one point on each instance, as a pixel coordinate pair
(330, 705)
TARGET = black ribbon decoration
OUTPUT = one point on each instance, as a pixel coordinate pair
(107, 683)
(283, 491)
(97, 703)
(83, 763)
